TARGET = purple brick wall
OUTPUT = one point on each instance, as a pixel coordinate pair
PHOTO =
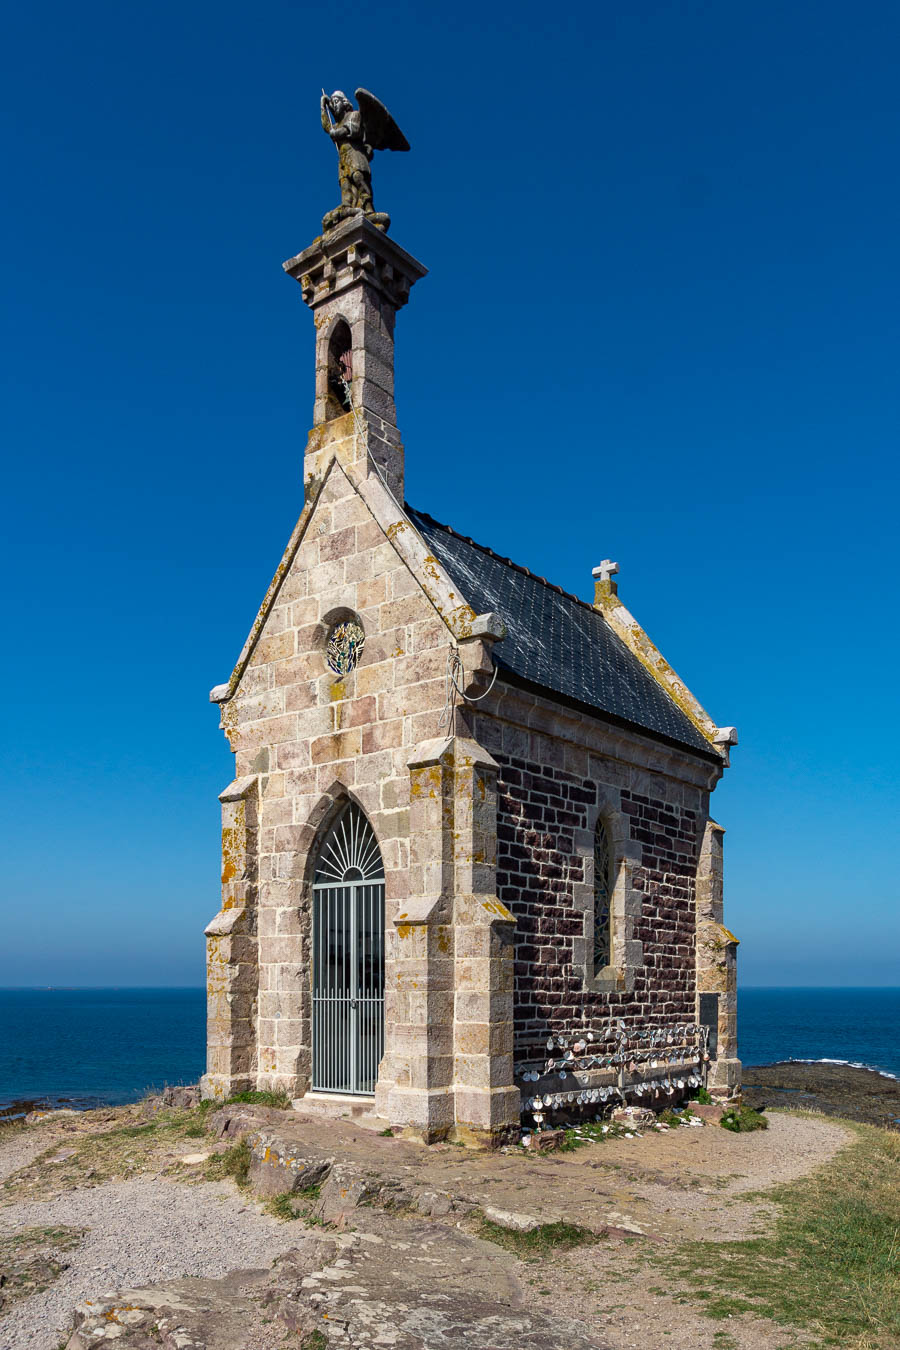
(539, 809)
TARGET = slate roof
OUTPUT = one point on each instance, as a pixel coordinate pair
(557, 642)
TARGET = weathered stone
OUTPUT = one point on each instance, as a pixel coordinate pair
(546, 1141)
(238, 1119)
(182, 1098)
(191, 1314)
(276, 1166)
(712, 1111)
(412, 1284)
(32, 1117)
(344, 1189)
(507, 1218)
(434, 1204)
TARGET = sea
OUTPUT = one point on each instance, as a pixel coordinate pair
(92, 1047)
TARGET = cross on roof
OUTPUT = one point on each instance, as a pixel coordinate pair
(606, 571)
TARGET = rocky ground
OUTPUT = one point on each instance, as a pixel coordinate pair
(833, 1089)
(120, 1226)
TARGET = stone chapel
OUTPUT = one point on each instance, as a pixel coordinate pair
(470, 817)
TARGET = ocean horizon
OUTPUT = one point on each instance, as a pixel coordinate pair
(108, 1046)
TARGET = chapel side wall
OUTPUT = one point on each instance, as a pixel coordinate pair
(558, 771)
(313, 738)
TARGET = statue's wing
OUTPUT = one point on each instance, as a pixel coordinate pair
(381, 131)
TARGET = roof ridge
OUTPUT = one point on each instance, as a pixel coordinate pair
(509, 562)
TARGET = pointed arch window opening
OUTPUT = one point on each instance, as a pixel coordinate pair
(348, 958)
(602, 899)
(340, 370)
(350, 852)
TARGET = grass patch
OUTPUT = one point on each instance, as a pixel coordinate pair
(540, 1241)
(296, 1205)
(590, 1132)
(303, 1203)
(31, 1259)
(741, 1120)
(280, 1100)
(10, 1128)
(316, 1340)
(831, 1265)
(671, 1118)
(280, 1207)
(124, 1151)
(234, 1163)
(706, 1099)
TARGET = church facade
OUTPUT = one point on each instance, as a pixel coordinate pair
(470, 817)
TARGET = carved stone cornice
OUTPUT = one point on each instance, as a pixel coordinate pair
(352, 252)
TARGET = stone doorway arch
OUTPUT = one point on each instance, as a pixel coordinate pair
(348, 957)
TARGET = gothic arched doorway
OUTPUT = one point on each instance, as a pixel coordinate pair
(348, 957)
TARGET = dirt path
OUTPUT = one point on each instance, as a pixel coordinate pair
(156, 1227)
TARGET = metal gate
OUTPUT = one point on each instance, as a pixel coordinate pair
(348, 958)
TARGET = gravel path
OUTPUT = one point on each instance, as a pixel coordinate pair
(795, 1145)
(142, 1230)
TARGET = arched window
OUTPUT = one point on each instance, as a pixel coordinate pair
(603, 888)
(340, 371)
(348, 957)
(349, 851)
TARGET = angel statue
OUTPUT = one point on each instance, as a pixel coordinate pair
(358, 133)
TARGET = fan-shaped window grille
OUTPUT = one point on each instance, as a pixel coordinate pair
(602, 899)
(350, 851)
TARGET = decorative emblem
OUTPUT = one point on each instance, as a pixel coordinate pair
(344, 646)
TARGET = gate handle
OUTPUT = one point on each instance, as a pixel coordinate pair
(354, 1003)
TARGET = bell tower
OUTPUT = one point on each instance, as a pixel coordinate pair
(354, 280)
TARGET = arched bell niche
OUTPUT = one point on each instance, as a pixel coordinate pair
(339, 371)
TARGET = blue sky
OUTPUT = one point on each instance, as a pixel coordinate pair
(661, 325)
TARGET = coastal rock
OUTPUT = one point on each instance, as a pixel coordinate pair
(834, 1089)
(182, 1098)
(32, 1117)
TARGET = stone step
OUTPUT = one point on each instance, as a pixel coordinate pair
(361, 1110)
